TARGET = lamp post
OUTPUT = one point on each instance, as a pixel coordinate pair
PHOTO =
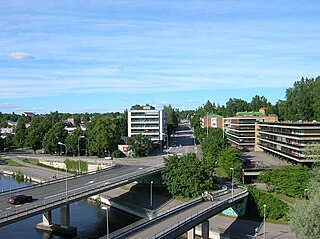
(80, 137)
(232, 174)
(105, 208)
(207, 124)
(305, 193)
(151, 193)
(264, 221)
(66, 169)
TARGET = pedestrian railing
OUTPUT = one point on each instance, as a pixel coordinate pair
(31, 209)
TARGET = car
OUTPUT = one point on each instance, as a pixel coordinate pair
(20, 198)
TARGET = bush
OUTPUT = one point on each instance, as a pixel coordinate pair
(117, 154)
(275, 209)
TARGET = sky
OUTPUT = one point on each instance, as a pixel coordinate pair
(98, 56)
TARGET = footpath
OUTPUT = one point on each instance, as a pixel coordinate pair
(142, 202)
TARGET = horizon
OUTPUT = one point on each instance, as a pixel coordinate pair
(106, 56)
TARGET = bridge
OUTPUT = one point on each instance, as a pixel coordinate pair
(60, 193)
(176, 221)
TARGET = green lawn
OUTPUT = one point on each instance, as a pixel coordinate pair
(12, 163)
(284, 198)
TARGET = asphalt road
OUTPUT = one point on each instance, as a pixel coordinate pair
(75, 188)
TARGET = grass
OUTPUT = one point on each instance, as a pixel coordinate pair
(12, 163)
(30, 160)
(284, 198)
(221, 172)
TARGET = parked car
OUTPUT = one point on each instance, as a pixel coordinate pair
(20, 198)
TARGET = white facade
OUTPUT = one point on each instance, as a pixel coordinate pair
(149, 122)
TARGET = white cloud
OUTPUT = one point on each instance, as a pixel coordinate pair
(19, 56)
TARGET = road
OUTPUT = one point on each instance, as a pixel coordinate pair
(55, 194)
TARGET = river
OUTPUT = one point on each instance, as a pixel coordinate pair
(89, 219)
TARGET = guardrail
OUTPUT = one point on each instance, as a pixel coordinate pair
(200, 213)
(54, 202)
(16, 189)
(146, 221)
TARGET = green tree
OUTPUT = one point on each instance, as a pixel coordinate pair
(72, 142)
(229, 157)
(140, 145)
(258, 102)
(56, 134)
(236, 105)
(289, 180)
(21, 133)
(103, 137)
(172, 117)
(182, 175)
(36, 132)
(300, 100)
(304, 215)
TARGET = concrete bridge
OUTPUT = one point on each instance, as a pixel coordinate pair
(62, 192)
(176, 221)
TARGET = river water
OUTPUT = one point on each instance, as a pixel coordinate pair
(89, 219)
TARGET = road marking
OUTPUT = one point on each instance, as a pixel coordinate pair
(18, 206)
(89, 182)
(8, 208)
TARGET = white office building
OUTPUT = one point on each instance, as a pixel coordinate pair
(148, 121)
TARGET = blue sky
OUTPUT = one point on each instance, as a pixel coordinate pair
(78, 56)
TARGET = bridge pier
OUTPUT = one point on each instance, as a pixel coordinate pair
(191, 234)
(205, 229)
(63, 228)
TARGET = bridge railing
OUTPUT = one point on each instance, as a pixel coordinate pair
(45, 182)
(146, 221)
(56, 201)
(200, 213)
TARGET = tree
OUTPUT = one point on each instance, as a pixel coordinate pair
(36, 132)
(140, 145)
(289, 180)
(236, 105)
(304, 215)
(182, 175)
(72, 142)
(103, 137)
(21, 133)
(258, 102)
(56, 134)
(229, 157)
(172, 119)
(300, 100)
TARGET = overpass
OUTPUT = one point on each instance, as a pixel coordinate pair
(60, 193)
(176, 221)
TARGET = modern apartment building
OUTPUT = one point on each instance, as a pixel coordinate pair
(240, 129)
(288, 140)
(148, 121)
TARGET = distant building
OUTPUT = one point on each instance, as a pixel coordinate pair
(240, 130)
(31, 114)
(288, 140)
(148, 121)
(212, 121)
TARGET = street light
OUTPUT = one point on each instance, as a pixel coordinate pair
(232, 173)
(80, 137)
(207, 124)
(105, 208)
(305, 193)
(264, 221)
(151, 193)
(66, 170)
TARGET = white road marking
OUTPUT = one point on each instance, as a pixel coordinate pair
(89, 182)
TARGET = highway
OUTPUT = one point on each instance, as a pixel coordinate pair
(57, 193)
